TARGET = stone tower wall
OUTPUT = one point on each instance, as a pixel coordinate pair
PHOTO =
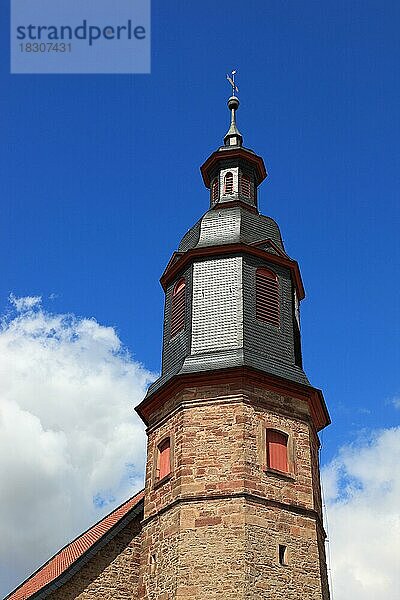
(213, 528)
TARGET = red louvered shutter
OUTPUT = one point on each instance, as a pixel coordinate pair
(277, 450)
(245, 186)
(267, 297)
(164, 459)
(178, 308)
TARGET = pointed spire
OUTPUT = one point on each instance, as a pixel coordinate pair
(233, 136)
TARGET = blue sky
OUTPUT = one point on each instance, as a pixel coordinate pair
(100, 179)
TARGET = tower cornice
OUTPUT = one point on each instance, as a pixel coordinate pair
(241, 377)
(179, 261)
(225, 153)
(254, 498)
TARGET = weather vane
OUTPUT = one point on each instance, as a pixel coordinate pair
(231, 79)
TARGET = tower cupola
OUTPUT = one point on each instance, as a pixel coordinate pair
(233, 173)
(232, 293)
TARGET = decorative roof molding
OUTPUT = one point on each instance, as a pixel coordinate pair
(269, 243)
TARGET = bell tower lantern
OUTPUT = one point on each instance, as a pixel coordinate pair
(232, 502)
(233, 173)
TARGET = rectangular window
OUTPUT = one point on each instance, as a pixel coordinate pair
(282, 554)
(277, 450)
(164, 459)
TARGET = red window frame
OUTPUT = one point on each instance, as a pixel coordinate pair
(267, 297)
(178, 308)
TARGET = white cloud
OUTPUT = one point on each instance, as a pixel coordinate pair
(362, 489)
(69, 439)
(25, 303)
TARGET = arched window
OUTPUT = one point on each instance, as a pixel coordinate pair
(228, 183)
(164, 459)
(277, 450)
(215, 190)
(267, 297)
(178, 308)
(245, 186)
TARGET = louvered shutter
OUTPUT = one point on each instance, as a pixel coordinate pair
(214, 194)
(164, 459)
(277, 450)
(267, 297)
(245, 186)
(178, 308)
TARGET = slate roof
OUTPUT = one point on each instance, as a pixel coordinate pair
(229, 226)
(70, 558)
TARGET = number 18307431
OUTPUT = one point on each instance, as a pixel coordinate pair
(45, 47)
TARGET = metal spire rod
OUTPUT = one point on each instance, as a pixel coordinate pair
(231, 79)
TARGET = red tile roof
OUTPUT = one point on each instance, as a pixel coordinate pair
(66, 557)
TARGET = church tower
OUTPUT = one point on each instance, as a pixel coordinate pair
(232, 504)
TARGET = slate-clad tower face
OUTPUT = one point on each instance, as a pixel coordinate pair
(233, 501)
